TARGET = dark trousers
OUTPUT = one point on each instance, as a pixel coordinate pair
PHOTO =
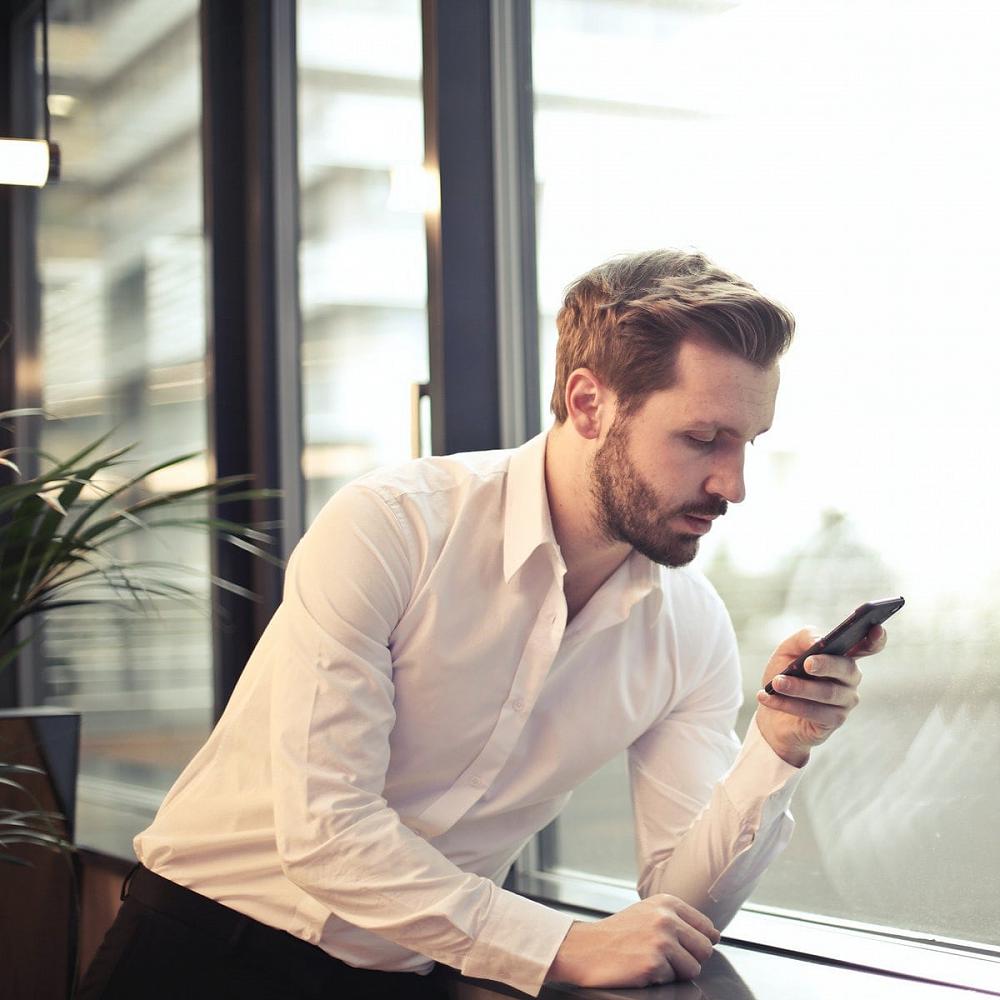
(169, 943)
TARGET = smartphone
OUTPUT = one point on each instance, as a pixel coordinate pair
(846, 635)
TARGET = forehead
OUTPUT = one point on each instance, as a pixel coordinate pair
(716, 388)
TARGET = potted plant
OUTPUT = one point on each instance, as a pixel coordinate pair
(61, 533)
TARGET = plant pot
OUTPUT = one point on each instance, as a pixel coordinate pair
(39, 915)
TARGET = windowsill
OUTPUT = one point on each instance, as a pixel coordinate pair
(875, 950)
(766, 956)
(742, 972)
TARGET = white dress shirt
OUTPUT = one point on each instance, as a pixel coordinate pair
(418, 708)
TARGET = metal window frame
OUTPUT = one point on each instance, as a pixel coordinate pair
(19, 286)
(249, 143)
(514, 215)
(482, 301)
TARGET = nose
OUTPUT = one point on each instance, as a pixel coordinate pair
(726, 479)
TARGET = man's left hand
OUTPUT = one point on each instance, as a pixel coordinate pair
(804, 711)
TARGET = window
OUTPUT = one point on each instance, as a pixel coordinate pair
(363, 251)
(121, 263)
(841, 157)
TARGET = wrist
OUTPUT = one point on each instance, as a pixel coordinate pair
(561, 969)
(790, 751)
(797, 757)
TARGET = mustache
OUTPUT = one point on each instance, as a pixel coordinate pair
(714, 507)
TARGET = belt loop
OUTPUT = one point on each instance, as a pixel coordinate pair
(128, 879)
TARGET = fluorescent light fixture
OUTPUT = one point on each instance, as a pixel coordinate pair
(33, 162)
(28, 161)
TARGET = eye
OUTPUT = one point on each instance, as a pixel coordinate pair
(700, 443)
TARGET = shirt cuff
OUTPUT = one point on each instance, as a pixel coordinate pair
(759, 787)
(518, 943)
(759, 777)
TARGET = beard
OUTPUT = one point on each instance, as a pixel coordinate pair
(628, 510)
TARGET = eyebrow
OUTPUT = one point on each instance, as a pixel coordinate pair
(708, 425)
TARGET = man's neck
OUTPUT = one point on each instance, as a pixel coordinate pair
(589, 557)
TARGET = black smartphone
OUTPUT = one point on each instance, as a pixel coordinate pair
(846, 635)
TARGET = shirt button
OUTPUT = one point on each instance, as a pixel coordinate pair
(517, 704)
(477, 782)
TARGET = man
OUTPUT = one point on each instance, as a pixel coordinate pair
(461, 642)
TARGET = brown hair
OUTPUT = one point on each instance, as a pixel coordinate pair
(625, 321)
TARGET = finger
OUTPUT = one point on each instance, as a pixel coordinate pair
(797, 644)
(684, 964)
(874, 642)
(695, 943)
(824, 692)
(842, 669)
(696, 919)
(663, 972)
(825, 716)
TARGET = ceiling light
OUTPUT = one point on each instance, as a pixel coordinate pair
(33, 162)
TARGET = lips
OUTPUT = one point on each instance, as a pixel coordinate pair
(698, 524)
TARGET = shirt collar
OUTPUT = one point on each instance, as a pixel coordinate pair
(527, 521)
(528, 524)
(645, 579)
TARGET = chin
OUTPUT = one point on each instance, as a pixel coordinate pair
(682, 549)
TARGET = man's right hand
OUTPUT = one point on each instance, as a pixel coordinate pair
(657, 940)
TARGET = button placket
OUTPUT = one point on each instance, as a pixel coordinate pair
(540, 653)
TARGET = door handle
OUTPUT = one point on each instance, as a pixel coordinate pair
(417, 392)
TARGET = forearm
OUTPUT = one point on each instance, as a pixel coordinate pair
(715, 864)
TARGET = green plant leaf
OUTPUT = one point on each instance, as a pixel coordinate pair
(10, 859)
(56, 546)
(19, 768)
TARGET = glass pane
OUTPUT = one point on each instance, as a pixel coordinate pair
(122, 347)
(363, 250)
(841, 156)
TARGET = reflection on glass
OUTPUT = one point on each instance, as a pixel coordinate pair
(842, 158)
(363, 257)
(122, 346)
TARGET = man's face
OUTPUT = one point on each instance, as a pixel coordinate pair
(661, 476)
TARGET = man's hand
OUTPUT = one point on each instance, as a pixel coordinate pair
(655, 941)
(804, 711)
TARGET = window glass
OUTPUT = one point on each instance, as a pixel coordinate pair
(363, 249)
(122, 265)
(841, 156)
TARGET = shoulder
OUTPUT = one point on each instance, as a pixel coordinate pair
(420, 501)
(427, 477)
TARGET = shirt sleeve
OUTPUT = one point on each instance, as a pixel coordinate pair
(710, 815)
(332, 711)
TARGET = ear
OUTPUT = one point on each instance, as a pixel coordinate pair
(589, 403)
